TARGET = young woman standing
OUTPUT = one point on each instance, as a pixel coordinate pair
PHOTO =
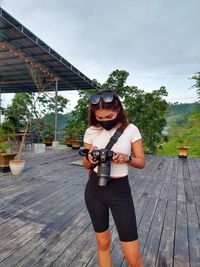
(106, 115)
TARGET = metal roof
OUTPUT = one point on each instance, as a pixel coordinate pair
(21, 50)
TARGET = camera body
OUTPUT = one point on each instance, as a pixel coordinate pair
(104, 158)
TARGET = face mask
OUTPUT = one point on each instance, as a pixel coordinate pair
(108, 125)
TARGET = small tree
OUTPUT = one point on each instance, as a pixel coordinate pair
(19, 109)
(147, 111)
(196, 77)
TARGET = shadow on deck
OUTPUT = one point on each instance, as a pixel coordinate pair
(44, 222)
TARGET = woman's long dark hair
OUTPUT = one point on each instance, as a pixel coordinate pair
(115, 105)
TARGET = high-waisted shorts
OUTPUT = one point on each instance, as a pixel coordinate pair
(116, 196)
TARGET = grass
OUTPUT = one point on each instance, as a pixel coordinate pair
(170, 148)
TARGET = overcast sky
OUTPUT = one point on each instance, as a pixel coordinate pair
(156, 41)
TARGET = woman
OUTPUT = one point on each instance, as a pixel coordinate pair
(106, 115)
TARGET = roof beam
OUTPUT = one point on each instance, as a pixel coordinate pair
(26, 59)
(16, 82)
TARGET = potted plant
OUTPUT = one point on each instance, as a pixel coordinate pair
(5, 154)
(48, 136)
(74, 134)
(183, 147)
(69, 136)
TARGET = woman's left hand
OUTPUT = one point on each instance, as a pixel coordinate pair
(120, 158)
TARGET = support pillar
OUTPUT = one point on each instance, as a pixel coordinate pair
(56, 110)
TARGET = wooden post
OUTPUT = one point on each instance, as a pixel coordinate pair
(56, 110)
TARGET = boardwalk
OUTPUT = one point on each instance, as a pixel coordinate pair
(43, 220)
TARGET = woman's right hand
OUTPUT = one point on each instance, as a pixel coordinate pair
(90, 158)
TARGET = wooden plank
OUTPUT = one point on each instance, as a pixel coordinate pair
(167, 181)
(181, 250)
(146, 221)
(161, 177)
(141, 207)
(11, 210)
(193, 235)
(193, 170)
(180, 170)
(189, 195)
(42, 218)
(67, 240)
(172, 193)
(166, 247)
(153, 176)
(38, 255)
(21, 219)
(50, 230)
(181, 192)
(153, 240)
(196, 191)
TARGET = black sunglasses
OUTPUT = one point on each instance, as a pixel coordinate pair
(106, 97)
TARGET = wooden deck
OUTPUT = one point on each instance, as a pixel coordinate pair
(44, 222)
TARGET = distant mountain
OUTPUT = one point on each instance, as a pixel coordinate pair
(63, 120)
(179, 113)
(183, 124)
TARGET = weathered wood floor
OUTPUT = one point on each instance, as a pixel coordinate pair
(44, 222)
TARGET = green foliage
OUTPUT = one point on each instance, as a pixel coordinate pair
(50, 103)
(146, 110)
(18, 111)
(75, 129)
(48, 131)
(196, 77)
(80, 112)
(32, 108)
(175, 109)
(187, 134)
(6, 134)
(117, 80)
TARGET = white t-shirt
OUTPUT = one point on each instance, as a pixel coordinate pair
(99, 137)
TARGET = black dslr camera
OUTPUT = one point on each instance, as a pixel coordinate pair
(104, 157)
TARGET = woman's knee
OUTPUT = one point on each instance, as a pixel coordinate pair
(103, 240)
(103, 245)
(134, 261)
(132, 253)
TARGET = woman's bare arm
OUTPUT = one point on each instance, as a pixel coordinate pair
(138, 160)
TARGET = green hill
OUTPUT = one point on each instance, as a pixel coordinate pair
(183, 127)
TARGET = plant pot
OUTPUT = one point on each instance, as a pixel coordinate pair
(76, 144)
(4, 160)
(69, 145)
(16, 166)
(48, 141)
(68, 141)
(182, 151)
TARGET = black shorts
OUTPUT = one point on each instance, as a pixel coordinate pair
(116, 196)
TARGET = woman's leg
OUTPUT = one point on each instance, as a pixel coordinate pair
(132, 254)
(104, 242)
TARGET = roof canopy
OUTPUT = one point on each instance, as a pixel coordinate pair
(24, 58)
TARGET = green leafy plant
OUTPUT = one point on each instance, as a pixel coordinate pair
(6, 134)
(145, 110)
(75, 129)
(48, 131)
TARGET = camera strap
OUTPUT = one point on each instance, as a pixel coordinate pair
(114, 138)
(111, 143)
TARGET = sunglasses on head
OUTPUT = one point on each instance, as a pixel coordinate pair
(106, 97)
